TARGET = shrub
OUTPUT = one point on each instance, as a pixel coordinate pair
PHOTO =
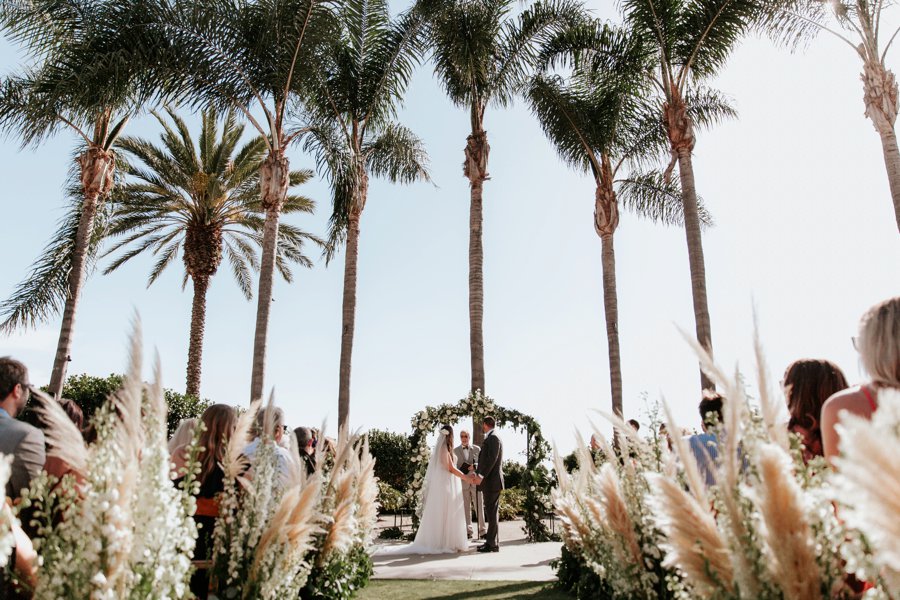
(512, 501)
(391, 533)
(512, 473)
(90, 393)
(392, 454)
(576, 578)
(390, 499)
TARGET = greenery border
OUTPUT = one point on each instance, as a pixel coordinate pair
(535, 480)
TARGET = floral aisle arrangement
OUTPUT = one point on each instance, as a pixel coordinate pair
(607, 526)
(114, 527)
(342, 564)
(536, 478)
(268, 515)
(768, 528)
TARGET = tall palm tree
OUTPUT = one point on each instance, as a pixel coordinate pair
(857, 23)
(691, 41)
(352, 107)
(601, 121)
(91, 75)
(253, 57)
(200, 200)
(483, 55)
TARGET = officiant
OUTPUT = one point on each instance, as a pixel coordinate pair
(466, 461)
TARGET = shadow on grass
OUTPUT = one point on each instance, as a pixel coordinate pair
(462, 590)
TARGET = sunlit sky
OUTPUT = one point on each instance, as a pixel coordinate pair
(804, 228)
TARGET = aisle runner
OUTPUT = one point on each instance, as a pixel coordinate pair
(517, 560)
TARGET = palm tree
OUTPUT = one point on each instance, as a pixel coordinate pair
(91, 75)
(352, 132)
(253, 57)
(796, 20)
(205, 205)
(601, 122)
(482, 57)
(691, 42)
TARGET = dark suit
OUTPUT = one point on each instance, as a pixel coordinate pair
(25, 443)
(490, 468)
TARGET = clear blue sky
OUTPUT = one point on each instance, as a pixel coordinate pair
(804, 227)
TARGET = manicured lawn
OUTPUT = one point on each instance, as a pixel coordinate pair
(402, 589)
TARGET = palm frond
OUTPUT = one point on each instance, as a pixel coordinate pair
(649, 196)
(398, 155)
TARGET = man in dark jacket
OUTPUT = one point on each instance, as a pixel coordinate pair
(489, 478)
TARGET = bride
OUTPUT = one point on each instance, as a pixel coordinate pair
(442, 527)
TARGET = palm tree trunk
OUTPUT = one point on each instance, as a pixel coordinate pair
(695, 258)
(611, 309)
(97, 166)
(475, 168)
(348, 322)
(606, 221)
(274, 178)
(892, 164)
(198, 325)
(881, 99)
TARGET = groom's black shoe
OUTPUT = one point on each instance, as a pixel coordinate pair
(486, 548)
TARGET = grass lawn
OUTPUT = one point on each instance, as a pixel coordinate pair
(403, 589)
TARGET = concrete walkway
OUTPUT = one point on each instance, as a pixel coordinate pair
(516, 561)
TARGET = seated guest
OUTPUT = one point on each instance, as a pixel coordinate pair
(878, 344)
(705, 446)
(273, 435)
(306, 449)
(219, 421)
(183, 435)
(24, 442)
(808, 383)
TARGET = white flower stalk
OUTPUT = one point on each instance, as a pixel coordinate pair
(867, 484)
(7, 520)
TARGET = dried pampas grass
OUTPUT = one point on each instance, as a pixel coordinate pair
(63, 438)
(235, 461)
(339, 537)
(787, 531)
(616, 511)
(366, 494)
(695, 545)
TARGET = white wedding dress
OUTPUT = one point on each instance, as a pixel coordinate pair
(442, 526)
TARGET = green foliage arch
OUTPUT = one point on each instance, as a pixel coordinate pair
(536, 480)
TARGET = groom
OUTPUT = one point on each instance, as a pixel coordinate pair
(489, 479)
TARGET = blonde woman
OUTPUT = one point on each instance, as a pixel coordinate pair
(878, 344)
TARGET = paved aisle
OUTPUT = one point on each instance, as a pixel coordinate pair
(517, 560)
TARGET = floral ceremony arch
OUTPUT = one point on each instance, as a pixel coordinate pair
(535, 480)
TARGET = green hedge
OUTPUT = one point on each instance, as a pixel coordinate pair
(90, 392)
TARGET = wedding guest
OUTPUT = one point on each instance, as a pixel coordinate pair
(878, 344)
(219, 421)
(183, 435)
(23, 559)
(273, 418)
(466, 461)
(306, 449)
(24, 442)
(705, 446)
(808, 383)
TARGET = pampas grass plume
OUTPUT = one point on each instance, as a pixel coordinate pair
(695, 544)
(617, 517)
(787, 532)
(63, 437)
